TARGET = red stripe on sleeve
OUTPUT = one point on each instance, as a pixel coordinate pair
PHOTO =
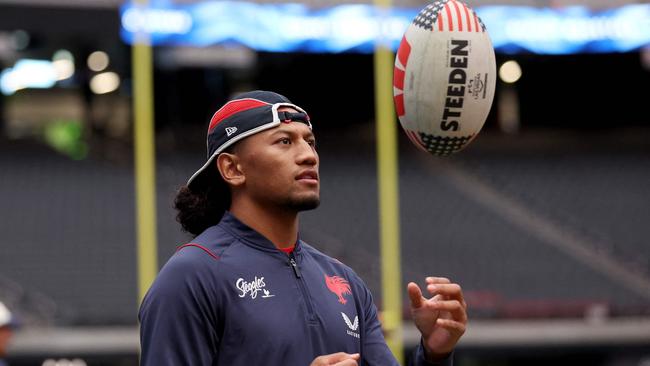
(476, 21)
(200, 247)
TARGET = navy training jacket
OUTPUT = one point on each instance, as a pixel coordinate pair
(231, 298)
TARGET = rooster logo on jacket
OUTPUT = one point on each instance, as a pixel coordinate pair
(339, 286)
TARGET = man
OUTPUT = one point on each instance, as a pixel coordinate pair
(247, 290)
(7, 325)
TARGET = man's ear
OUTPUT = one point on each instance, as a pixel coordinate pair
(228, 165)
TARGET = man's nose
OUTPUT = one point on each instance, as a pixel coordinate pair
(307, 154)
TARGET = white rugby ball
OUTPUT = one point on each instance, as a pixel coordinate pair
(444, 77)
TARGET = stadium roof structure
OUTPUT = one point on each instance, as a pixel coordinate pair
(594, 4)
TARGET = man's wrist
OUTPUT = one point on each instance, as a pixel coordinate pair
(434, 358)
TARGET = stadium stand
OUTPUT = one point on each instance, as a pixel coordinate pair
(68, 243)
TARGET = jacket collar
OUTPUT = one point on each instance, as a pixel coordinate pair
(249, 236)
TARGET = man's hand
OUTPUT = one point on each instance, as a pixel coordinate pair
(337, 359)
(441, 319)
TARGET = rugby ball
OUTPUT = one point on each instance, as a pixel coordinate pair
(444, 77)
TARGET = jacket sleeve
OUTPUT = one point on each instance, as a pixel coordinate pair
(177, 317)
(375, 351)
(419, 360)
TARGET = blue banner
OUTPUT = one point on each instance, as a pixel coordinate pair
(356, 28)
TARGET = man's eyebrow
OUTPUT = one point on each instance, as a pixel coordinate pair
(309, 134)
(281, 132)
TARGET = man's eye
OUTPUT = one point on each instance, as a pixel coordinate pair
(285, 141)
(312, 143)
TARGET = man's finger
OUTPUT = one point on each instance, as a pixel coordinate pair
(450, 290)
(333, 358)
(415, 295)
(348, 362)
(456, 309)
(452, 325)
(434, 280)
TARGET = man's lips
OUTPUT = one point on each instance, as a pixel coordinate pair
(310, 175)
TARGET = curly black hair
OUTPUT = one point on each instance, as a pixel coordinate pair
(203, 205)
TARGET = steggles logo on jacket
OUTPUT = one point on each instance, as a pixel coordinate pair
(339, 286)
(252, 288)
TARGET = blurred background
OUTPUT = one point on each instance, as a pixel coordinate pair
(544, 219)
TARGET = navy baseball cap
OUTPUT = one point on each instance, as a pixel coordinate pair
(244, 115)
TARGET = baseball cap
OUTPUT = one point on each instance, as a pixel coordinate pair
(244, 115)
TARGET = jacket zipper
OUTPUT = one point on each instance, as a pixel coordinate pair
(303, 288)
(294, 265)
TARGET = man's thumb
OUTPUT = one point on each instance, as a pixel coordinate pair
(415, 294)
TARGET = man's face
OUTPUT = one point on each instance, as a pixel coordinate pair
(281, 166)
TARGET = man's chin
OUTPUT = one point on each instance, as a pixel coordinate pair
(304, 203)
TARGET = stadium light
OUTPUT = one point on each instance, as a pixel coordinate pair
(355, 27)
(63, 63)
(510, 72)
(28, 73)
(105, 82)
(20, 40)
(98, 61)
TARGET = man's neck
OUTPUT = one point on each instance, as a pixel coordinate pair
(279, 226)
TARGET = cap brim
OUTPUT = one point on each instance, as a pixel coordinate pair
(202, 178)
(210, 180)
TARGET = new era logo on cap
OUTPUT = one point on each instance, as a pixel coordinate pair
(230, 130)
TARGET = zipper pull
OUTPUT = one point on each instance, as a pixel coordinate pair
(294, 265)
